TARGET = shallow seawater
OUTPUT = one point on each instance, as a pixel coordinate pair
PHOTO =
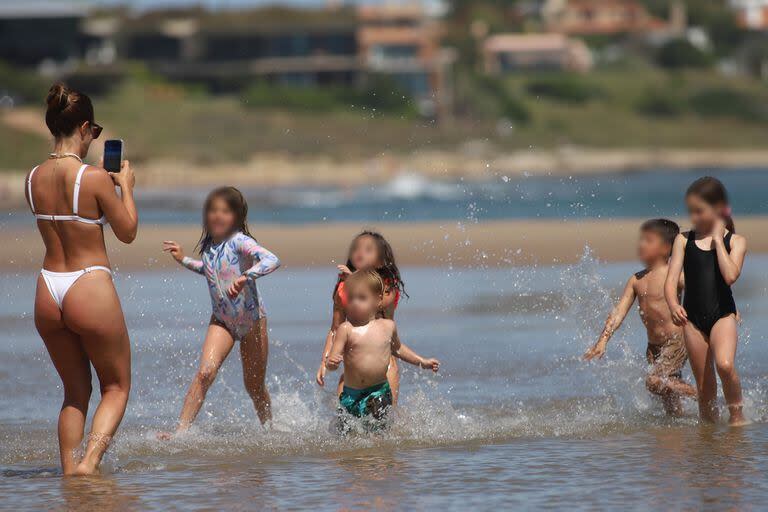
(514, 418)
(410, 197)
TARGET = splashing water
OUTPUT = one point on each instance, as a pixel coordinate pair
(510, 341)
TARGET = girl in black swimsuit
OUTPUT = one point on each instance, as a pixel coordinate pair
(711, 256)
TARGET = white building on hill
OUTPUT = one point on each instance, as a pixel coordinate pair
(751, 14)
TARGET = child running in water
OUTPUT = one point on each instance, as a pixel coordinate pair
(368, 251)
(365, 344)
(666, 350)
(231, 262)
(711, 255)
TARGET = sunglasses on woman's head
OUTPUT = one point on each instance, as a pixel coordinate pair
(96, 130)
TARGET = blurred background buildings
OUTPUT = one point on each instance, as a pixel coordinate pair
(338, 44)
(226, 51)
(395, 80)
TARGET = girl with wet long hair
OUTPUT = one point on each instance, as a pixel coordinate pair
(231, 261)
(711, 255)
(369, 250)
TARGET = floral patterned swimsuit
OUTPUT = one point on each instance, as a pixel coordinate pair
(222, 264)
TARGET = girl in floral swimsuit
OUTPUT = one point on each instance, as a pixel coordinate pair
(231, 262)
(369, 251)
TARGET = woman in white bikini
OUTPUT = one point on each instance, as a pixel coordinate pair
(77, 311)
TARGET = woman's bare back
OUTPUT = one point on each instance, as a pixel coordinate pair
(69, 245)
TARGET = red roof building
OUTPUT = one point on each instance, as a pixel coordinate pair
(504, 53)
(594, 17)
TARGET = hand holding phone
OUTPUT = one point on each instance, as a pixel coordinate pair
(125, 179)
(113, 155)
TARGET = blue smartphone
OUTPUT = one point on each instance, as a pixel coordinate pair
(113, 155)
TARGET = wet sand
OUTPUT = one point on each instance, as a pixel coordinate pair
(446, 244)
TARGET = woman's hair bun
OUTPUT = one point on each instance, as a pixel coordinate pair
(58, 97)
(67, 109)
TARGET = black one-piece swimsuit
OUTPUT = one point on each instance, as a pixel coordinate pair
(707, 297)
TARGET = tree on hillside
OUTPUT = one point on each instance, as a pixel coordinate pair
(714, 16)
(679, 53)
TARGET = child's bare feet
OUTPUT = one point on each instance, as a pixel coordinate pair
(86, 469)
(97, 446)
(167, 436)
(737, 418)
(673, 406)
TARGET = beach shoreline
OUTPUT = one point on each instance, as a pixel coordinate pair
(480, 164)
(446, 244)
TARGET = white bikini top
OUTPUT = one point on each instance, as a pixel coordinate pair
(75, 200)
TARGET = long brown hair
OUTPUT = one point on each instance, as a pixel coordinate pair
(712, 191)
(388, 270)
(235, 202)
(67, 110)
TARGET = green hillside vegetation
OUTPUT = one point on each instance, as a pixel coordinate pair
(609, 109)
(667, 97)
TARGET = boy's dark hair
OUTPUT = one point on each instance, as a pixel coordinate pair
(665, 228)
(235, 202)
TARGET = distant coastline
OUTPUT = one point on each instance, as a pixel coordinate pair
(274, 169)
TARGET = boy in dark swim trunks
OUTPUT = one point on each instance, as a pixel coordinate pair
(666, 348)
(365, 343)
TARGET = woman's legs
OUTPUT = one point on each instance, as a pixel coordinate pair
(254, 352)
(701, 358)
(217, 346)
(723, 340)
(92, 309)
(73, 368)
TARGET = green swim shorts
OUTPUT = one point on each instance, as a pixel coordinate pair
(371, 404)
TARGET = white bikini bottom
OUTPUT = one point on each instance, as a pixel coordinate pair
(59, 283)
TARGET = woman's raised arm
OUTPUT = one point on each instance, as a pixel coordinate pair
(119, 209)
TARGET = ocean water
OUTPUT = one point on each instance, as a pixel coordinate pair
(514, 419)
(412, 197)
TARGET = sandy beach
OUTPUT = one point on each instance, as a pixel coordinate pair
(446, 244)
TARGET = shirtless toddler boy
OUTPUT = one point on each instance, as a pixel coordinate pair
(666, 347)
(364, 344)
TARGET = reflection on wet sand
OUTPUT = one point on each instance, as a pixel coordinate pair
(712, 463)
(719, 463)
(372, 481)
(102, 493)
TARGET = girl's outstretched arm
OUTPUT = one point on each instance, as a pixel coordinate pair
(264, 262)
(192, 264)
(730, 264)
(337, 319)
(177, 251)
(672, 283)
